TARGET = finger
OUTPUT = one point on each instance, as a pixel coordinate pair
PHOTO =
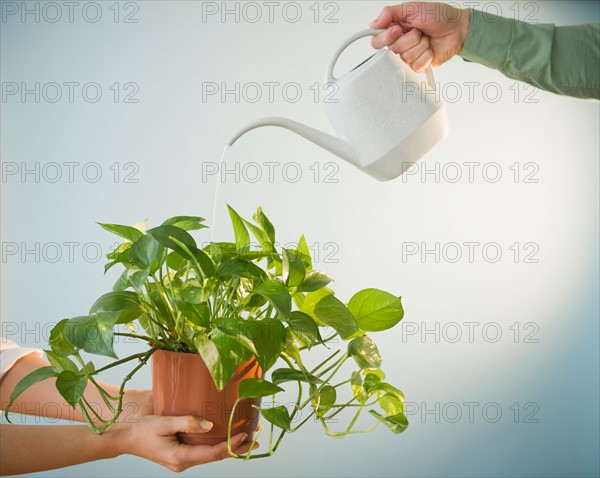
(421, 63)
(245, 448)
(387, 37)
(407, 41)
(186, 424)
(384, 19)
(400, 14)
(221, 451)
(191, 455)
(410, 56)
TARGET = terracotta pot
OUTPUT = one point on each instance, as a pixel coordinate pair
(182, 385)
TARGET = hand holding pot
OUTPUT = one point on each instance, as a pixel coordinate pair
(155, 438)
(31, 448)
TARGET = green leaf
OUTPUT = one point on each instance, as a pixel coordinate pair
(118, 251)
(34, 377)
(61, 363)
(278, 416)
(219, 251)
(182, 242)
(323, 399)
(304, 252)
(119, 256)
(156, 298)
(358, 390)
(240, 268)
(282, 375)
(242, 238)
(203, 261)
(334, 313)
(391, 404)
(268, 337)
(298, 299)
(187, 223)
(71, 386)
(237, 329)
(375, 373)
(257, 388)
(165, 234)
(310, 301)
(314, 280)
(222, 356)
(175, 261)
(121, 283)
(277, 294)
(126, 303)
(365, 352)
(304, 328)
(127, 232)
(263, 222)
(197, 314)
(371, 381)
(147, 253)
(293, 269)
(264, 338)
(58, 343)
(261, 235)
(376, 310)
(88, 368)
(396, 423)
(136, 277)
(191, 292)
(93, 333)
(386, 388)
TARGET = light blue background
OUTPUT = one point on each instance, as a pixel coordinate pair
(169, 53)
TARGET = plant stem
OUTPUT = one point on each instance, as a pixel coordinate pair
(104, 394)
(304, 421)
(341, 383)
(87, 404)
(356, 415)
(353, 432)
(165, 299)
(314, 370)
(336, 364)
(136, 336)
(229, 425)
(122, 361)
(322, 342)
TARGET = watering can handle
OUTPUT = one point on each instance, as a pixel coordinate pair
(357, 36)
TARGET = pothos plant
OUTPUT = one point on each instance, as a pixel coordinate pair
(229, 302)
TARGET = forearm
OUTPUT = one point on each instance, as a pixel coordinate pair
(30, 448)
(563, 60)
(43, 399)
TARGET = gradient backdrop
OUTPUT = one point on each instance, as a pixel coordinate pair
(116, 112)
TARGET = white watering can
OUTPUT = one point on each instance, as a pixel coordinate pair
(386, 119)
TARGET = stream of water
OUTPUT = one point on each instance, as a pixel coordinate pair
(213, 226)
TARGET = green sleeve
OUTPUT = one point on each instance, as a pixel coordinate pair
(564, 60)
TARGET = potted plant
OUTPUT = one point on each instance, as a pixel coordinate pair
(228, 324)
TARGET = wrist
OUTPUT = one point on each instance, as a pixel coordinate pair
(463, 27)
(117, 439)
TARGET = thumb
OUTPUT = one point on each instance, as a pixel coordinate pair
(186, 424)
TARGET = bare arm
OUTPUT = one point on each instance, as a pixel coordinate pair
(27, 448)
(31, 448)
(43, 399)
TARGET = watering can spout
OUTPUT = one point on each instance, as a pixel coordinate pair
(330, 143)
